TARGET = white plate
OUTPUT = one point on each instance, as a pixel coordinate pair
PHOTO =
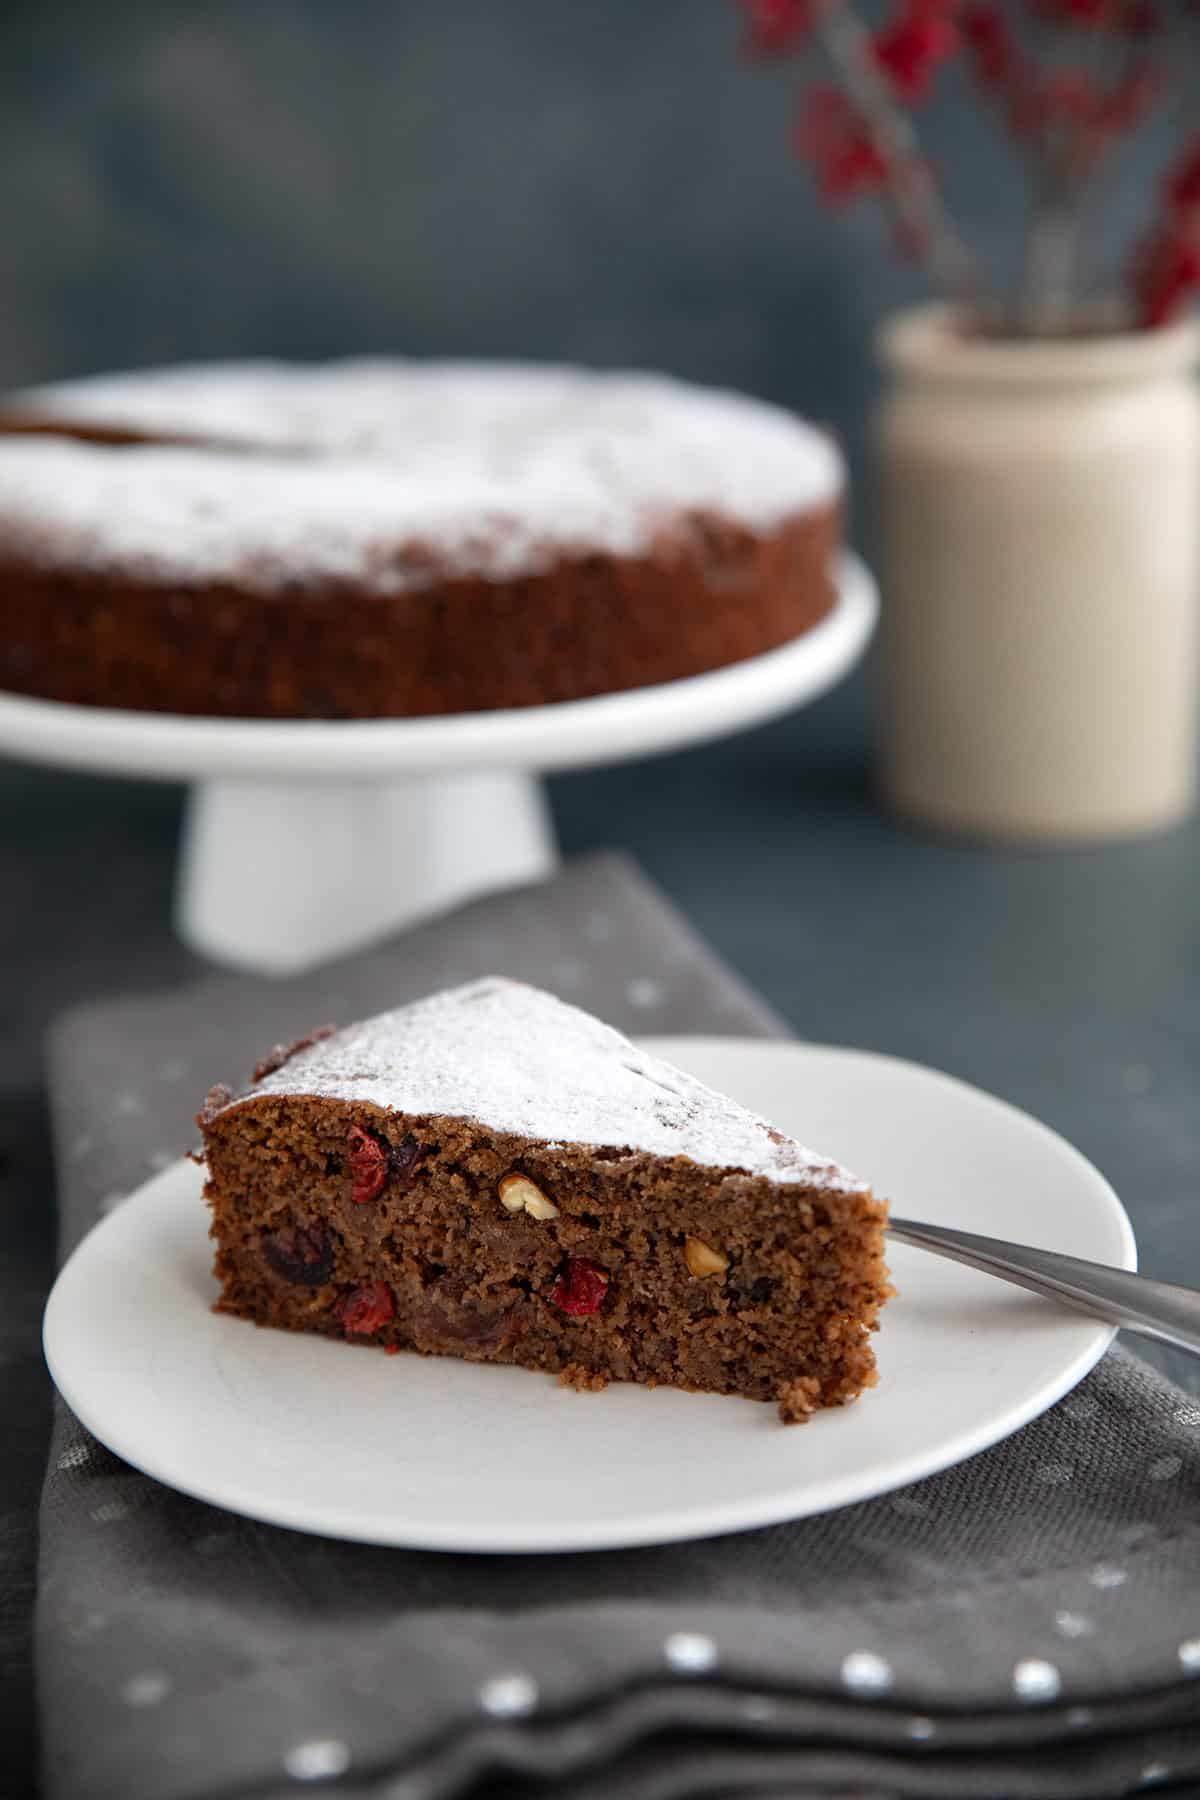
(438, 1454)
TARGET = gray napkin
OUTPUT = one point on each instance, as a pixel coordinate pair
(1026, 1624)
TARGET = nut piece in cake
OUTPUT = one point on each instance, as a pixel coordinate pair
(519, 1194)
(702, 1259)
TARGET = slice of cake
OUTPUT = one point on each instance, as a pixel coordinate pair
(494, 1175)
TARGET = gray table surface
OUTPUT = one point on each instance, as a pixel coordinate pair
(1068, 982)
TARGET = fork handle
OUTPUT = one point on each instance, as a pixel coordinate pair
(1157, 1309)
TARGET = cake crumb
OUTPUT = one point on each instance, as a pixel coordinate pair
(215, 1100)
(283, 1053)
(799, 1399)
(584, 1381)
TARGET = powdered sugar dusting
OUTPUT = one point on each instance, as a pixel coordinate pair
(516, 1059)
(392, 471)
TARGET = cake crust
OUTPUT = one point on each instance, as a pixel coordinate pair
(638, 1255)
(598, 624)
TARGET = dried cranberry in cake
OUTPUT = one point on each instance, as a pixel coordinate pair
(580, 1289)
(365, 1309)
(368, 1165)
(300, 1254)
(546, 1195)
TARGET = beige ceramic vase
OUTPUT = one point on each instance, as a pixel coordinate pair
(1040, 562)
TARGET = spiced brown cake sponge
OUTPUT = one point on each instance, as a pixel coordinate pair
(391, 538)
(492, 1174)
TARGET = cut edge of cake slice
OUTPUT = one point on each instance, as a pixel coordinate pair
(493, 1174)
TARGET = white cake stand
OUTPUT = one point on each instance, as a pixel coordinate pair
(305, 839)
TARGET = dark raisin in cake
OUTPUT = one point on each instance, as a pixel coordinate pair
(494, 1175)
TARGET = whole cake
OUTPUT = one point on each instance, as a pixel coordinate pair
(492, 1174)
(385, 538)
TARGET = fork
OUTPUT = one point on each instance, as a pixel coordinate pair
(1157, 1309)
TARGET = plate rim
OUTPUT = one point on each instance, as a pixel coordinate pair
(686, 1525)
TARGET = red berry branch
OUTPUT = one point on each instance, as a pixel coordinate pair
(1166, 269)
(1068, 80)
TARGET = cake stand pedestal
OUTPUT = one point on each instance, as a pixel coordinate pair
(276, 875)
(305, 839)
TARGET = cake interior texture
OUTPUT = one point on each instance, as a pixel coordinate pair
(433, 1231)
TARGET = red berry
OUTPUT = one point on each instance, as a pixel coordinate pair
(580, 1289)
(1183, 182)
(1166, 274)
(1126, 105)
(775, 26)
(1071, 96)
(1140, 18)
(1075, 12)
(998, 59)
(365, 1309)
(832, 134)
(368, 1165)
(911, 47)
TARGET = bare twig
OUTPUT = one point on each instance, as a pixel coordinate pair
(911, 190)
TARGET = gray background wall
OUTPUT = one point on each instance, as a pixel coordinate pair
(590, 179)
